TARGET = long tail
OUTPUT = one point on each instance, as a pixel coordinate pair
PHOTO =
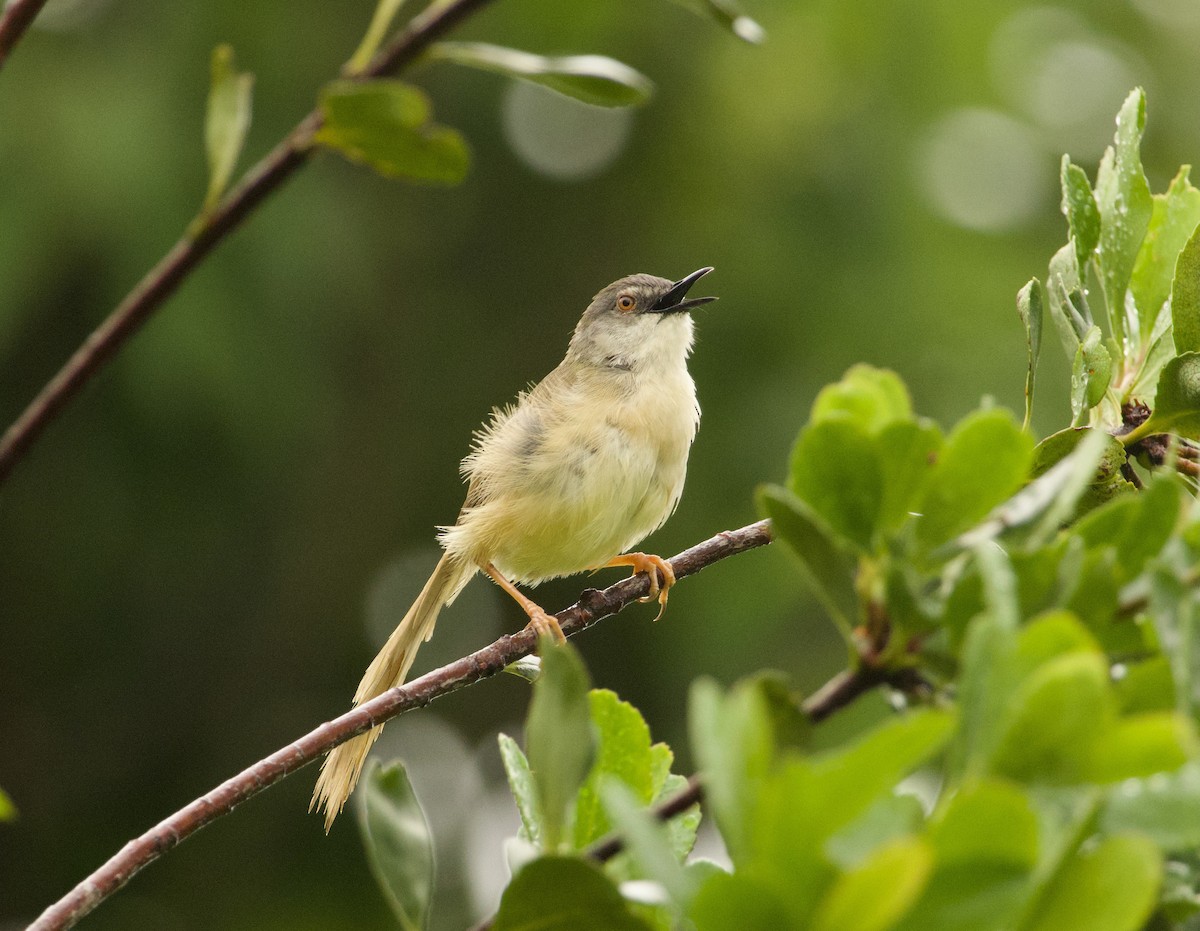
(343, 765)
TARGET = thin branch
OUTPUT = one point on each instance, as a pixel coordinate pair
(14, 20)
(161, 281)
(591, 607)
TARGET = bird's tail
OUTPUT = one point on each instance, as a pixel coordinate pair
(343, 765)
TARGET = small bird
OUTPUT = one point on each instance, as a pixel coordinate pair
(570, 477)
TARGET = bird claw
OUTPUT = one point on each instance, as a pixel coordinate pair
(653, 566)
(546, 625)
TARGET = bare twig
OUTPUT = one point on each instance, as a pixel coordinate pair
(14, 20)
(161, 281)
(592, 606)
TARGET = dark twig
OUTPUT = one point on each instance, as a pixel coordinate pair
(14, 21)
(161, 281)
(592, 606)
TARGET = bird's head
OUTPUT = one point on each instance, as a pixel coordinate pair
(639, 320)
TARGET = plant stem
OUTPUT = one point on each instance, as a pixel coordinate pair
(161, 281)
(14, 20)
(591, 607)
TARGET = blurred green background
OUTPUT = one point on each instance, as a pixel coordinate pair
(199, 558)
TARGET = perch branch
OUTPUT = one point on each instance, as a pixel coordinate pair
(161, 281)
(591, 607)
(14, 20)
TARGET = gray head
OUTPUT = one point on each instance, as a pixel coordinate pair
(637, 320)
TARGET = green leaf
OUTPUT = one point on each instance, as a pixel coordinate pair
(381, 21)
(1126, 206)
(1110, 887)
(1030, 302)
(989, 676)
(984, 461)
(1064, 292)
(399, 846)
(909, 453)
(728, 13)
(1083, 216)
(836, 469)
(1055, 720)
(870, 397)
(990, 821)
(873, 896)
(386, 125)
(8, 811)
(1173, 613)
(1146, 686)
(555, 893)
(1185, 287)
(1177, 400)
(647, 842)
(1165, 808)
(732, 743)
(622, 752)
(558, 736)
(1091, 373)
(1107, 480)
(1173, 221)
(737, 902)
(520, 781)
(829, 567)
(1143, 744)
(592, 79)
(889, 818)
(226, 123)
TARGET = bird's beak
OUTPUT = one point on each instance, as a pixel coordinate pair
(673, 301)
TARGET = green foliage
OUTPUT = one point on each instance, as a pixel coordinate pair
(560, 893)
(386, 125)
(593, 79)
(227, 122)
(399, 847)
(8, 811)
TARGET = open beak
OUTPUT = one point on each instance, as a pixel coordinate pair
(673, 301)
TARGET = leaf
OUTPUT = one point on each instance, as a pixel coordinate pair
(890, 818)
(1030, 303)
(1063, 290)
(909, 453)
(836, 469)
(1177, 400)
(381, 21)
(1185, 289)
(1141, 745)
(558, 736)
(399, 846)
(1123, 197)
(873, 896)
(737, 902)
(386, 125)
(984, 461)
(1107, 480)
(1083, 216)
(520, 781)
(558, 893)
(592, 79)
(1091, 373)
(1173, 221)
(828, 565)
(1110, 887)
(1166, 808)
(226, 123)
(870, 397)
(647, 842)
(1173, 613)
(990, 821)
(989, 676)
(8, 811)
(1055, 719)
(623, 753)
(728, 13)
(732, 743)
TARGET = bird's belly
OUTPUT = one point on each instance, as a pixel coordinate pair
(601, 491)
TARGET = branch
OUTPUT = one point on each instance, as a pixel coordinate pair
(591, 607)
(161, 281)
(14, 21)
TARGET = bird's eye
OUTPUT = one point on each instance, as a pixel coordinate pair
(626, 303)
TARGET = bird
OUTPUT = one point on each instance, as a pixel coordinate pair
(570, 477)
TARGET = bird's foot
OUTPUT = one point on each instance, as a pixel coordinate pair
(653, 566)
(545, 624)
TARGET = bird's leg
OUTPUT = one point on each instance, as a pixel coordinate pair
(651, 565)
(545, 624)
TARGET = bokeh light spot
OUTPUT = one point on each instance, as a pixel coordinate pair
(561, 137)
